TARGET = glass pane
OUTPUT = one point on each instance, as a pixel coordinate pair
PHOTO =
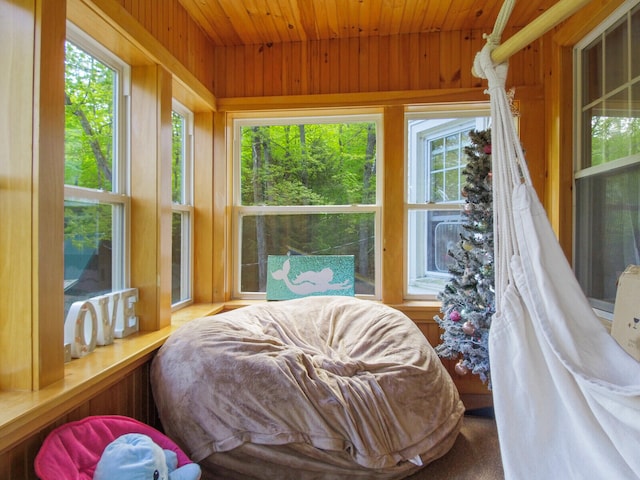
(592, 72)
(616, 71)
(436, 156)
(178, 157)
(177, 243)
(313, 234)
(437, 161)
(88, 250)
(453, 157)
(617, 127)
(452, 185)
(309, 164)
(90, 88)
(431, 234)
(437, 188)
(635, 42)
(593, 135)
(634, 113)
(608, 231)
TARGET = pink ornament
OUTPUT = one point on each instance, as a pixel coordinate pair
(460, 368)
(487, 149)
(468, 207)
(454, 316)
(469, 328)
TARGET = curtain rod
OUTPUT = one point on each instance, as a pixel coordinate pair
(538, 27)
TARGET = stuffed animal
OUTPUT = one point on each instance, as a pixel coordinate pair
(135, 456)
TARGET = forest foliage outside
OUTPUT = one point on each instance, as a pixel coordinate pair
(301, 165)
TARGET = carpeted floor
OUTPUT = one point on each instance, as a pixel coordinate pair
(474, 456)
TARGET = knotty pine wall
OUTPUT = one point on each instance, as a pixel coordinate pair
(131, 397)
(440, 60)
(175, 30)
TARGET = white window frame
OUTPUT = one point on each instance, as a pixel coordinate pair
(119, 196)
(580, 171)
(185, 208)
(239, 210)
(414, 138)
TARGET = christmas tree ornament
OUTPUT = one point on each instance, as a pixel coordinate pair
(468, 328)
(454, 316)
(468, 246)
(461, 369)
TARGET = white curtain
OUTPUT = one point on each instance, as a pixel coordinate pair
(566, 395)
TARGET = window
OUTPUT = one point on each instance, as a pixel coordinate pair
(435, 161)
(181, 189)
(607, 175)
(96, 205)
(306, 185)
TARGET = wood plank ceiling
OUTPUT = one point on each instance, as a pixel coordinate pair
(254, 22)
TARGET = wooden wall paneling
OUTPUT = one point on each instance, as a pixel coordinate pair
(478, 42)
(48, 201)
(151, 195)
(228, 84)
(323, 72)
(414, 62)
(433, 60)
(467, 54)
(531, 130)
(239, 72)
(266, 74)
(353, 65)
(219, 58)
(312, 51)
(393, 213)
(364, 52)
(452, 59)
(203, 283)
(17, 33)
(373, 64)
(303, 81)
(393, 68)
(343, 70)
(287, 68)
(221, 181)
(384, 60)
(277, 75)
(333, 65)
(170, 25)
(130, 397)
(532, 72)
(31, 195)
(516, 68)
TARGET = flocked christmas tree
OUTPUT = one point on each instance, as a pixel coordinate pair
(468, 299)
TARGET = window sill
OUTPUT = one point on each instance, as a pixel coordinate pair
(24, 412)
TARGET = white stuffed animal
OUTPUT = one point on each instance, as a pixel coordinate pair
(135, 456)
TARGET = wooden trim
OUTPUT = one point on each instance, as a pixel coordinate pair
(151, 194)
(338, 100)
(48, 194)
(393, 216)
(221, 209)
(203, 195)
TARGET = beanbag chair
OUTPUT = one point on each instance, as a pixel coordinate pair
(318, 387)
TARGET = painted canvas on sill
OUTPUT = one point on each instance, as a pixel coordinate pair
(295, 276)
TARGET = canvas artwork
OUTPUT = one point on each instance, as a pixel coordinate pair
(295, 276)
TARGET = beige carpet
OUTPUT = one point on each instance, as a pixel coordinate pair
(474, 456)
